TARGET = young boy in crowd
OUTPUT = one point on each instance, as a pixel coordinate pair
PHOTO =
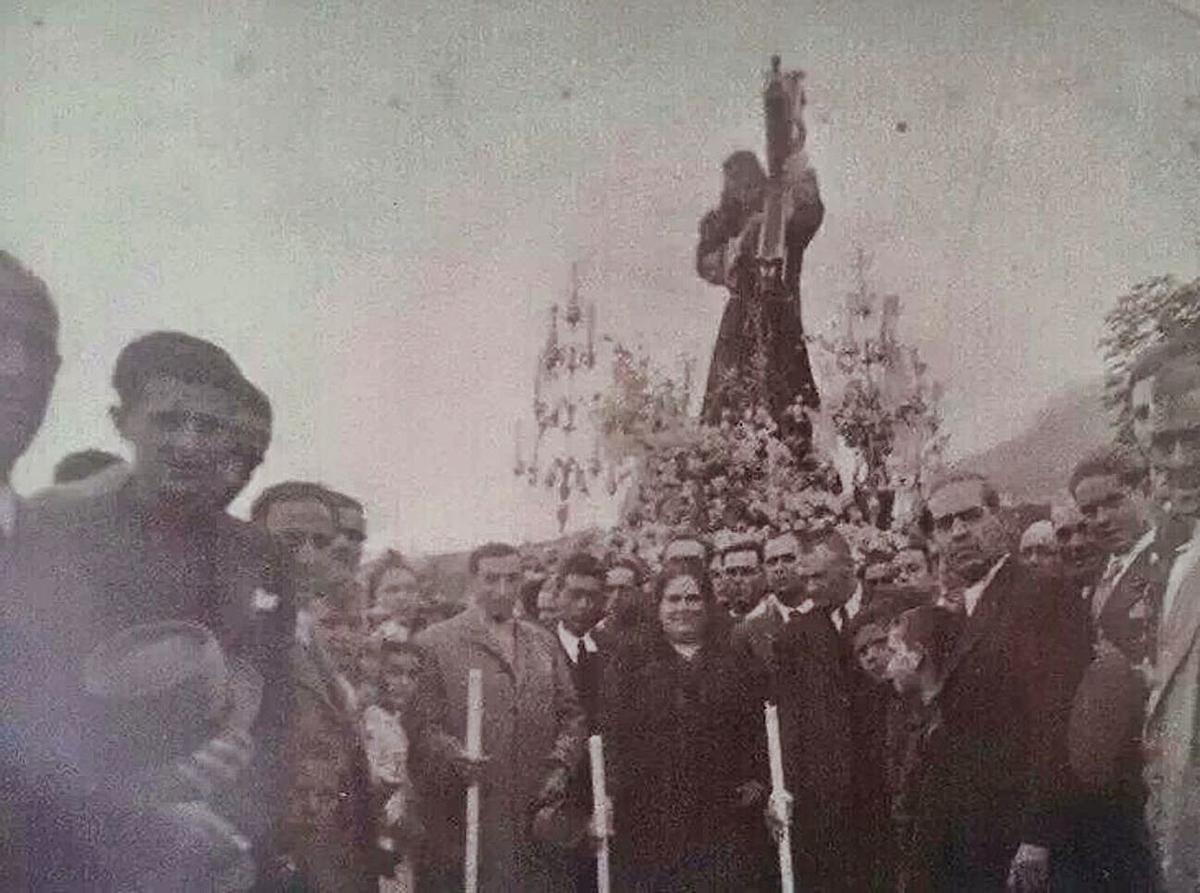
(921, 641)
(387, 755)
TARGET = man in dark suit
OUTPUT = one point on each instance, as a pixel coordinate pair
(629, 614)
(812, 690)
(154, 544)
(1004, 699)
(755, 635)
(1109, 844)
(581, 599)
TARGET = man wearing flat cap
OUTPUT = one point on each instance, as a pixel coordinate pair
(158, 546)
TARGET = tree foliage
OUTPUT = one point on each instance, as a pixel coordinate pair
(1150, 312)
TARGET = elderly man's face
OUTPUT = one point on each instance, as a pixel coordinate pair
(969, 535)
(1039, 550)
(28, 364)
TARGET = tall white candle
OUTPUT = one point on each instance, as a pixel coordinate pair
(599, 801)
(474, 748)
(787, 882)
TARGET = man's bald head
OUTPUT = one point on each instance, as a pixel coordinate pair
(1039, 548)
(28, 358)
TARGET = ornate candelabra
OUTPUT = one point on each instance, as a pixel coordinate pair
(566, 448)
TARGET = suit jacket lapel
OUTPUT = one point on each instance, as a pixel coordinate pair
(763, 640)
(480, 636)
(979, 623)
(1116, 601)
(1178, 631)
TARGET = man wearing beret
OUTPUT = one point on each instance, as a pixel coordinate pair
(156, 545)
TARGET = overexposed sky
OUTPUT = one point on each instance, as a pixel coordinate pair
(371, 204)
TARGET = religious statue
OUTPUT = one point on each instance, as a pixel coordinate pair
(753, 243)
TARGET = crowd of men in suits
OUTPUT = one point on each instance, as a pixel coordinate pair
(192, 701)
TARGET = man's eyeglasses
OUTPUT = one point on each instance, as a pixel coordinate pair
(297, 539)
(945, 523)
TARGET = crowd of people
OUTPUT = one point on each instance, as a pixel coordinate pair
(192, 701)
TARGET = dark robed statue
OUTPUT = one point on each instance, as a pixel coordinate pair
(753, 243)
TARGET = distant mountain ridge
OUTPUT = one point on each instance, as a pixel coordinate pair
(1034, 466)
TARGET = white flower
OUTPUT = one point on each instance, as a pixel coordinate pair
(264, 601)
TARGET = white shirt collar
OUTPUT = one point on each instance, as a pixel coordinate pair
(787, 612)
(570, 642)
(1124, 562)
(854, 605)
(687, 652)
(839, 615)
(973, 593)
(8, 510)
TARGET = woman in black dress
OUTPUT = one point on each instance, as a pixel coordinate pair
(683, 726)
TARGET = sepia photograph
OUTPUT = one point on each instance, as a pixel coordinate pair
(600, 447)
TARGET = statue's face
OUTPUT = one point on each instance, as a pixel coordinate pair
(743, 184)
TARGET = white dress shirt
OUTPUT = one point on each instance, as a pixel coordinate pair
(765, 605)
(973, 593)
(1118, 567)
(570, 642)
